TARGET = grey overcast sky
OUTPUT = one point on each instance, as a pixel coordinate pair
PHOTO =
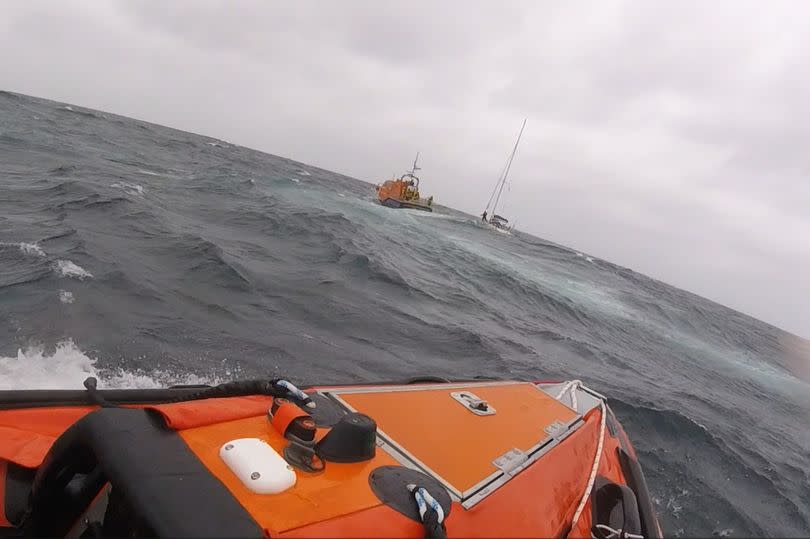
(669, 137)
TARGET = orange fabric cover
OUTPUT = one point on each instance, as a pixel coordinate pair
(191, 414)
(26, 434)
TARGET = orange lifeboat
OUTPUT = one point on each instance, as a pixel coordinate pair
(404, 192)
(422, 458)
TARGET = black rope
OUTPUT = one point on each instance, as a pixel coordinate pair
(238, 388)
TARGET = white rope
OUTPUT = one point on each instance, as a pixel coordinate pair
(572, 386)
(615, 534)
(594, 468)
(425, 500)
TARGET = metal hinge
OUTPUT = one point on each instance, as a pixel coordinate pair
(556, 429)
(511, 461)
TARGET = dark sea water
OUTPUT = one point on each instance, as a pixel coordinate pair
(149, 256)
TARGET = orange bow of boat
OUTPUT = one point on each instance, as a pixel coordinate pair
(461, 459)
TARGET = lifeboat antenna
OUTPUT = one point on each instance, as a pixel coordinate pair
(415, 168)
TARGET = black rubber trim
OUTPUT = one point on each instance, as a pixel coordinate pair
(635, 480)
(39, 398)
(17, 489)
(166, 486)
(428, 379)
(614, 505)
(390, 485)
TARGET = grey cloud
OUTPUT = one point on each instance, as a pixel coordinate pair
(668, 137)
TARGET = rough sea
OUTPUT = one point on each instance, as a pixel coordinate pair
(148, 256)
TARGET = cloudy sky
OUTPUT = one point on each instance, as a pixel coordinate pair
(669, 137)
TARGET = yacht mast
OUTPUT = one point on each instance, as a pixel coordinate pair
(508, 166)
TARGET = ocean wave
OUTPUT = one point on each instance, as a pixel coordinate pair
(65, 366)
(361, 266)
(66, 297)
(209, 262)
(130, 188)
(26, 248)
(31, 249)
(48, 188)
(22, 264)
(715, 472)
(81, 112)
(92, 200)
(68, 268)
(59, 235)
(63, 170)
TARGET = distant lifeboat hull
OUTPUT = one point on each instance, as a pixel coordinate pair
(403, 193)
(411, 204)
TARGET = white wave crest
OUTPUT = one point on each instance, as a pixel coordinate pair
(67, 367)
(31, 249)
(65, 296)
(303, 173)
(130, 188)
(294, 180)
(148, 172)
(67, 268)
(27, 248)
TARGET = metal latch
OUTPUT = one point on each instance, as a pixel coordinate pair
(511, 461)
(473, 403)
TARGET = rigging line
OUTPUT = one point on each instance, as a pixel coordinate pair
(495, 189)
(508, 166)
